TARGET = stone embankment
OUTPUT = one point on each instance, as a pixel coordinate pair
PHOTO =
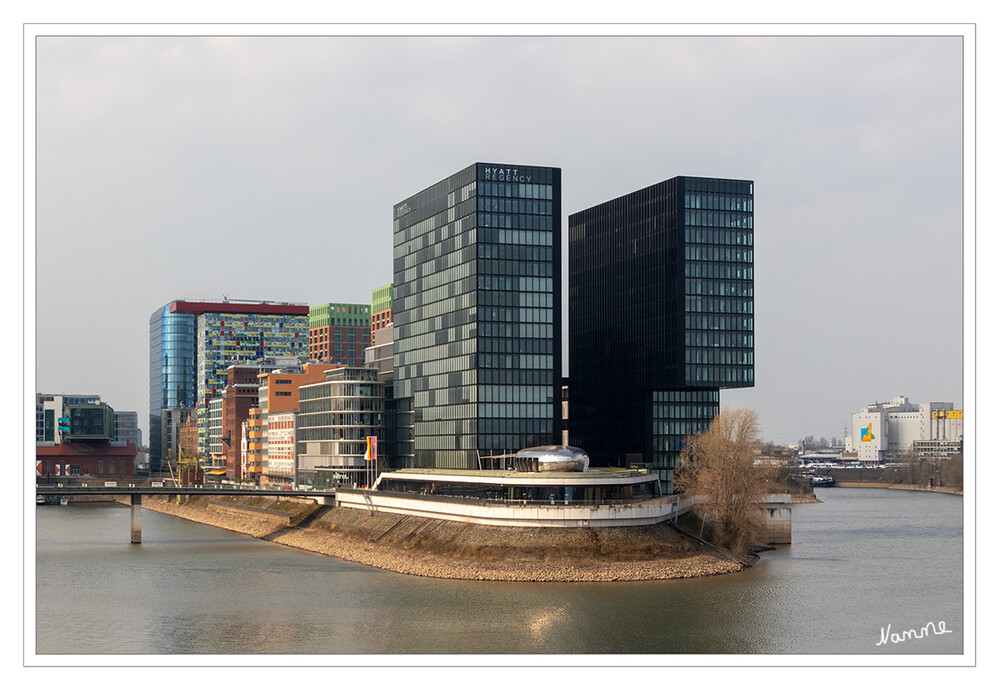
(903, 487)
(445, 549)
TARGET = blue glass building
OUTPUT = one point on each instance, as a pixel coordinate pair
(476, 305)
(660, 317)
(173, 350)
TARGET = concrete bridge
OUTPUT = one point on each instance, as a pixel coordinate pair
(137, 491)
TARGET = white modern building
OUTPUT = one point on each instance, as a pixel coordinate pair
(883, 432)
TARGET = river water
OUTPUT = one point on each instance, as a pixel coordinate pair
(861, 560)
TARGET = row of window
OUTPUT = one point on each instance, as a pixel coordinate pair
(718, 339)
(515, 330)
(718, 356)
(715, 322)
(717, 202)
(343, 418)
(515, 299)
(512, 222)
(726, 237)
(698, 252)
(719, 375)
(513, 206)
(717, 305)
(515, 268)
(514, 361)
(518, 346)
(515, 394)
(513, 252)
(515, 315)
(522, 190)
(514, 283)
(718, 219)
(341, 390)
(719, 288)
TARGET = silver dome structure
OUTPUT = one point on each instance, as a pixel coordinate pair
(551, 459)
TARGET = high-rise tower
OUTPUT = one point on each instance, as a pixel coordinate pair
(660, 317)
(477, 312)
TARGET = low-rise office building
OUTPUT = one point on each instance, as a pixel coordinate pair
(335, 419)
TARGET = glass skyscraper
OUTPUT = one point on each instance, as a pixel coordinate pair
(477, 312)
(173, 350)
(660, 317)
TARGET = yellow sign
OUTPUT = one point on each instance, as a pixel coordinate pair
(947, 414)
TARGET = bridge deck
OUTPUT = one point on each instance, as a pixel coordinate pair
(51, 490)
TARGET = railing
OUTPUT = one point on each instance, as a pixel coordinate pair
(466, 500)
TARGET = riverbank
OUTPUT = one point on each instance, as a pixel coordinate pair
(453, 550)
(901, 487)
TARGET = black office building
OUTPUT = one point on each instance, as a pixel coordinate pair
(477, 311)
(660, 317)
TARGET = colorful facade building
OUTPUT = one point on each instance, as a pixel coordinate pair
(339, 333)
(192, 343)
(381, 308)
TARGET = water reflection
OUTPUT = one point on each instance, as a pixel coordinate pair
(861, 560)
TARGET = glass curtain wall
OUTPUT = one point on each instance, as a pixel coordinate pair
(661, 317)
(477, 313)
(172, 374)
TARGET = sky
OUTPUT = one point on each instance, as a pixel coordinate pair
(172, 167)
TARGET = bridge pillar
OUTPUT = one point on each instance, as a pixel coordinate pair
(136, 518)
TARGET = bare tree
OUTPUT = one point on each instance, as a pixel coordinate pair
(718, 466)
(952, 472)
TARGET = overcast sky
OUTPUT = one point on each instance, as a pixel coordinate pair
(267, 168)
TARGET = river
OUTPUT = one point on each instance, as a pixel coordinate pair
(861, 560)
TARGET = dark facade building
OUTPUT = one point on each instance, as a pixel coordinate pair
(660, 317)
(477, 313)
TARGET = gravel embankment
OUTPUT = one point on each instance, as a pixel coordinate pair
(443, 549)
